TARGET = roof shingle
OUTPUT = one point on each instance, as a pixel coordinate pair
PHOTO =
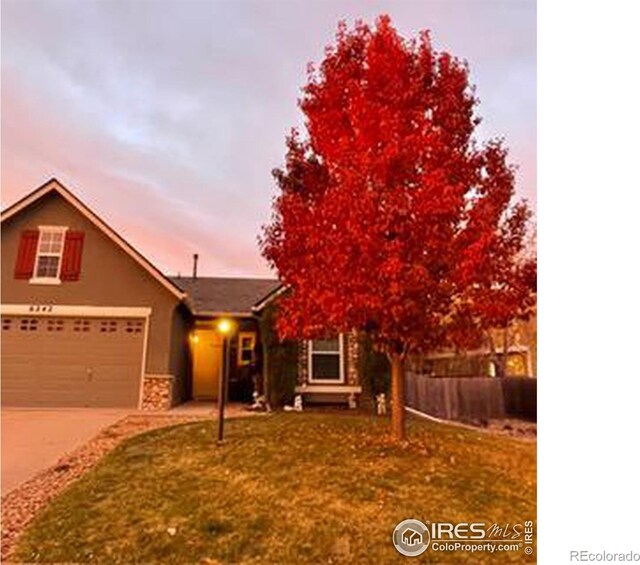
(209, 295)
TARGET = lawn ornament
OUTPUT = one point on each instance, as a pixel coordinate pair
(259, 403)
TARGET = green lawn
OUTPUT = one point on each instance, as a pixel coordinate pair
(285, 488)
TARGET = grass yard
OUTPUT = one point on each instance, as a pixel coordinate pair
(285, 488)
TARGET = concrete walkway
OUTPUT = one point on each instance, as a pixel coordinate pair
(34, 439)
(208, 408)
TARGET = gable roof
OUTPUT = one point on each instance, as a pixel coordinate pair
(53, 185)
(218, 295)
(268, 298)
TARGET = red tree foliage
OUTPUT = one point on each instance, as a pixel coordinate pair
(390, 218)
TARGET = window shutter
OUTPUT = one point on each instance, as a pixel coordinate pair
(26, 254)
(72, 256)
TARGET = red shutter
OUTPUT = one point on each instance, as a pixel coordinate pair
(72, 256)
(26, 254)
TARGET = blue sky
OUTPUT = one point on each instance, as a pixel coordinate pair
(167, 117)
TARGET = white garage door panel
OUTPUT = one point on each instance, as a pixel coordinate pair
(71, 361)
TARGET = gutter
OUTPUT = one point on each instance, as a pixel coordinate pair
(268, 298)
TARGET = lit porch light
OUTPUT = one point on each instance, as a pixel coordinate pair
(225, 326)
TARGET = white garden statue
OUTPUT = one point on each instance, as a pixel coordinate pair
(381, 404)
(297, 403)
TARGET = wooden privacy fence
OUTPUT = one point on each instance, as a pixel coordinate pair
(472, 398)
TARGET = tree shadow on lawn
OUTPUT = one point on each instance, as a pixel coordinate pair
(287, 488)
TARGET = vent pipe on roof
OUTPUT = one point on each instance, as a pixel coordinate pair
(195, 265)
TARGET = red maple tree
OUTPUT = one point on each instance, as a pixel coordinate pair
(389, 214)
(507, 292)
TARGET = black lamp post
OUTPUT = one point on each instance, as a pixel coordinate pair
(225, 327)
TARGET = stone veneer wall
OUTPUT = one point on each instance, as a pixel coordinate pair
(157, 392)
(352, 359)
(303, 362)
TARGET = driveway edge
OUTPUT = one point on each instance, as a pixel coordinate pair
(20, 505)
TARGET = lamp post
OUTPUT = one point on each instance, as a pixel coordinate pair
(225, 327)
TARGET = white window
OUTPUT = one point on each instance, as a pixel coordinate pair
(246, 348)
(326, 363)
(49, 254)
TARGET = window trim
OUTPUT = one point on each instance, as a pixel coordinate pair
(35, 279)
(311, 353)
(252, 335)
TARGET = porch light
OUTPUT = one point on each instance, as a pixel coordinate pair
(225, 326)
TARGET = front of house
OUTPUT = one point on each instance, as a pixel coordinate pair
(88, 321)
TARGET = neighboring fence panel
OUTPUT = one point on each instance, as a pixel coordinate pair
(521, 398)
(472, 398)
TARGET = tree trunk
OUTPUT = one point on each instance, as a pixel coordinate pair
(493, 356)
(397, 397)
(503, 359)
(505, 351)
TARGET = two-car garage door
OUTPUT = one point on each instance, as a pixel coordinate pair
(71, 361)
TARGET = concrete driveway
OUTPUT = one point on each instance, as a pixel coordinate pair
(34, 439)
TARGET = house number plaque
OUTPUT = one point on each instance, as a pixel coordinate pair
(40, 308)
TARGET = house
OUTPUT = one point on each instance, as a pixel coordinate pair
(411, 537)
(87, 320)
(208, 300)
(521, 350)
(329, 369)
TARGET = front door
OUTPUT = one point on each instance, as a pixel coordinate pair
(207, 363)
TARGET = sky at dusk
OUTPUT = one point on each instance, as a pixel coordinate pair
(167, 117)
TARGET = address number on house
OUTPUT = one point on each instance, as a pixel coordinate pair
(40, 308)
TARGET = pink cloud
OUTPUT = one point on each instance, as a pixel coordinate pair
(168, 122)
